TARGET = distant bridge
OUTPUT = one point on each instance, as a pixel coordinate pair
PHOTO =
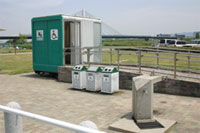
(108, 37)
(133, 37)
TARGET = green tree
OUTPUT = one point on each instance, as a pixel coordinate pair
(9, 42)
(22, 39)
(197, 36)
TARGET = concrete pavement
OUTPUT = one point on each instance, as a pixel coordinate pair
(46, 96)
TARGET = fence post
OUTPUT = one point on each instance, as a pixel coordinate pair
(100, 55)
(189, 61)
(175, 59)
(110, 55)
(13, 123)
(88, 124)
(139, 60)
(118, 58)
(88, 56)
(79, 54)
(157, 54)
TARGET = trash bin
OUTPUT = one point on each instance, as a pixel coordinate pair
(79, 77)
(110, 80)
(93, 77)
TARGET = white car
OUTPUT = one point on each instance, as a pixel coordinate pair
(165, 42)
(194, 43)
(177, 43)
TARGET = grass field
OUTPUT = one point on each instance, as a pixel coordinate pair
(126, 43)
(4, 51)
(15, 64)
(137, 43)
(133, 59)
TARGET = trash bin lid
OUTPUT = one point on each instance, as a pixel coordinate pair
(110, 70)
(79, 68)
(94, 69)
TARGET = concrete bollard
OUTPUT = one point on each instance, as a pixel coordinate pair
(13, 123)
(142, 97)
(88, 124)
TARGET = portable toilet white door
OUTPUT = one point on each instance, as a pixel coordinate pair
(80, 32)
(75, 43)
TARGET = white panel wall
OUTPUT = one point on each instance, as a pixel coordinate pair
(97, 34)
(87, 33)
(75, 42)
(97, 42)
(87, 37)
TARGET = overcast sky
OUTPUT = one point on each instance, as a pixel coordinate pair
(134, 17)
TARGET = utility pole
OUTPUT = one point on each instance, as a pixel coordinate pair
(83, 12)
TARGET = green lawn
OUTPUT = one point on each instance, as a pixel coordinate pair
(137, 43)
(127, 43)
(11, 50)
(15, 64)
(133, 59)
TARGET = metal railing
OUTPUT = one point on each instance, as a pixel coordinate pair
(189, 59)
(13, 123)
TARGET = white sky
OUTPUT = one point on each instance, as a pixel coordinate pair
(133, 17)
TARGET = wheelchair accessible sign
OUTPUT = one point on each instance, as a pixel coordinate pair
(39, 35)
(54, 34)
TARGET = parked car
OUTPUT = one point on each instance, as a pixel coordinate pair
(177, 43)
(165, 42)
(5, 46)
(194, 43)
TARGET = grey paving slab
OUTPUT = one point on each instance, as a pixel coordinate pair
(127, 125)
(46, 96)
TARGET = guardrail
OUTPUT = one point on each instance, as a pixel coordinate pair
(103, 37)
(13, 121)
(175, 60)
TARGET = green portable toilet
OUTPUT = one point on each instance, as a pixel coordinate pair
(52, 36)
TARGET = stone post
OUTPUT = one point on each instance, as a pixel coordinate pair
(13, 123)
(88, 124)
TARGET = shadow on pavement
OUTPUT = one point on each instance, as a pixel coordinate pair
(96, 92)
(44, 76)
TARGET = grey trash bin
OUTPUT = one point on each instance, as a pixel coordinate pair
(93, 77)
(79, 77)
(110, 80)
